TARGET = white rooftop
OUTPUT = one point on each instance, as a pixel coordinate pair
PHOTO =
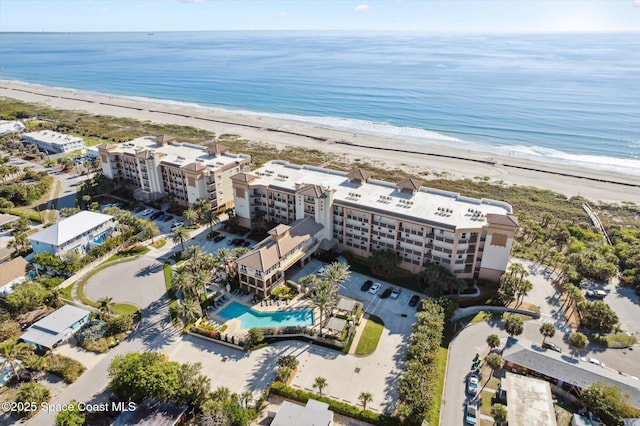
(52, 137)
(315, 413)
(180, 153)
(54, 327)
(10, 127)
(529, 401)
(70, 228)
(430, 204)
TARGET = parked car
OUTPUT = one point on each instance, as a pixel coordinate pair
(237, 241)
(593, 361)
(472, 385)
(414, 300)
(146, 212)
(247, 243)
(595, 294)
(550, 345)
(472, 413)
(396, 292)
(177, 224)
(211, 235)
(366, 285)
(167, 218)
(320, 270)
(219, 238)
(137, 209)
(374, 288)
(156, 215)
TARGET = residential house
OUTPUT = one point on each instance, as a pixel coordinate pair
(315, 413)
(52, 142)
(56, 328)
(12, 272)
(78, 233)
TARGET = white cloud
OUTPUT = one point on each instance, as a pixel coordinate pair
(282, 14)
(362, 8)
(105, 10)
(636, 3)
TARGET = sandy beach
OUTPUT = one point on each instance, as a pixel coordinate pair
(411, 155)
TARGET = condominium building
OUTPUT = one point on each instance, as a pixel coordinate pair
(160, 166)
(470, 237)
(52, 142)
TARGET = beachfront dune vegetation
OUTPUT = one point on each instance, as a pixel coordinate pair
(554, 229)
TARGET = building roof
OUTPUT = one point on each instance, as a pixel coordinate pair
(411, 184)
(500, 219)
(284, 238)
(179, 154)
(345, 304)
(152, 414)
(315, 191)
(243, 177)
(55, 138)
(359, 174)
(426, 205)
(578, 373)
(54, 327)
(529, 401)
(315, 413)
(13, 270)
(70, 228)
(336, 324)
(10, 127)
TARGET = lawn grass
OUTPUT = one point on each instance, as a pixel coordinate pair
(66, 292)
(485, 402)
(159, 244)
(613, 340)
(167, 271)
(124, 309)
(125, 254)
(489, 316)
(438, 381)
(370, 336)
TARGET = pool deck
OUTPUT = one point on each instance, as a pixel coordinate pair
(233, 325)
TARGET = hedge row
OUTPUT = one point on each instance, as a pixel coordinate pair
(339, 407)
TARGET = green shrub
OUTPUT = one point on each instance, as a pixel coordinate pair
(206, 332)
(67, 368)
(119, 324)
(31, 395)
(93, 330)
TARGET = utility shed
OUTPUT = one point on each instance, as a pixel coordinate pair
(529, 401)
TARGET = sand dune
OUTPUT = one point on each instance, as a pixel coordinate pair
(411, 155)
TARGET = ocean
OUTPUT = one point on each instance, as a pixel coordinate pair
(572, 98)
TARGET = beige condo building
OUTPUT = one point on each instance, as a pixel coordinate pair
(470, 237)
(161, 166)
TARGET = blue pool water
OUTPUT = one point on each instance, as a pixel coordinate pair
(100, 239)
(250, 318)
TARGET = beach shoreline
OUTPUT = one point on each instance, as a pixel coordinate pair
(413, 156)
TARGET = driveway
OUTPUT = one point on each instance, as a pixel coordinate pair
(140, 282)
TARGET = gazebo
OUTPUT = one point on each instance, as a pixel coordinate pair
(346, 305)
(336, 325)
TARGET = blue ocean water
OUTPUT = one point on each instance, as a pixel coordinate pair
(565, 97)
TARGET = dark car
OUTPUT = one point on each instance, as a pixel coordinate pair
(366, 285)
(247, 243)
(414, 300)
(156, 215)
(167, 218)
(552, 346)
(237, 241)
(137, 209)
(219, 238)
(213, 234)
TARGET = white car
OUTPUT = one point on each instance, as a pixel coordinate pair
(374, 288)
(177, 225)
(593, 361)
(396, 292)
(472, 413)
(320, 270)
(472, 385)
(146, 212)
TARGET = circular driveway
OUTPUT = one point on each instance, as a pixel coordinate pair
(139, 281)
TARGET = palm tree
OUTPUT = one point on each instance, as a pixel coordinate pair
(547, 330)
(192, 254)
(12, 351)
(105, 304)
(499, 413)
(495, 362)
(246, 398)
(518, 270)
(200, 280)
(336, 273)
(182, 281)
(150, 230)
(522, 289)
(320, 383)
(225, 257)
(210, 218)
(323, 297)
(493, 341)
(189, 310)
(53, 299)
(190, 215)
(180, 235)
(365, 398)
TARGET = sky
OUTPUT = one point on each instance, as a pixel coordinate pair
(442, 16)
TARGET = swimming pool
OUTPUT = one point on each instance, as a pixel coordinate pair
(249, 318)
